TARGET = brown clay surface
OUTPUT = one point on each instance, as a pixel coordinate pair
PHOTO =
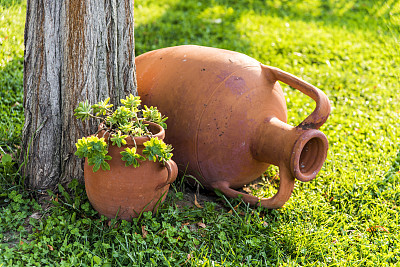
(227, 118)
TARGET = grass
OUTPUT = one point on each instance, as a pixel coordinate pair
(348, 216)
(12, 21)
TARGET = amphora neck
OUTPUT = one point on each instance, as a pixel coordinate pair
(303, 152)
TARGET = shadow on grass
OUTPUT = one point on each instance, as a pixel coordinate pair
(9, 3)
(212, 22)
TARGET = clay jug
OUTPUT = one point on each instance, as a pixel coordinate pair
(127, 191)
(227, 118)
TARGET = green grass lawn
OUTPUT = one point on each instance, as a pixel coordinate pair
(347, 216)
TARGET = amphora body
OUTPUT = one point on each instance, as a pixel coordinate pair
(227, 118)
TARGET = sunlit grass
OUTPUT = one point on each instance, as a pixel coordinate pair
(12, 22)
(347, 216)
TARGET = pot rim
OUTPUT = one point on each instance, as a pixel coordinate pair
(138, 140)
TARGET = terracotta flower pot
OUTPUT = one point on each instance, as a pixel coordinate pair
(127, 191)
(227, 118)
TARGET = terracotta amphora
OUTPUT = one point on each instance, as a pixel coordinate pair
(128, 191)
(227, 118)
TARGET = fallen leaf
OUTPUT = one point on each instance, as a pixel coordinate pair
(197, 203)
(202, 225)
(110, 223)
(144, 232)
(383, 229)
(371, 229)
(375, 228)
(235, 208)
(187, 258)
(35, 215)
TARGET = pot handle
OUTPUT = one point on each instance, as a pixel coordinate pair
(322, 107)
(172, 171)
(278, 200)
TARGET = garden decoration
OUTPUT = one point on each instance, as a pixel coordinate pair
(228, 118)
(128, 167)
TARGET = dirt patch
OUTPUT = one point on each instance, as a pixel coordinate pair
(194, 196)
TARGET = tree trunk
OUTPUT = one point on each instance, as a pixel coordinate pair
(74, 50)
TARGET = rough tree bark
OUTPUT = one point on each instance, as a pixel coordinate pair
(74, 50)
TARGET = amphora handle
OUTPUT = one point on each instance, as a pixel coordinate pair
(278, 200)
(322, 109)
(307, 132)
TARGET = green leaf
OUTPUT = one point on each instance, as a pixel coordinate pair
(131, 102)
(137, 131)
(156, 149)
(64, 193)
(96, 159)
(130, 157)
(83, 111)
(6, 159)
(118, 139)
(152, 114)
(105, 166)
(96, 145)
(82, 148)
(122, 116)
(126, 128)
(73, 217)
(73, 184)
(95, 149)
(97, 259)
(96, 167)
(102, 107)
